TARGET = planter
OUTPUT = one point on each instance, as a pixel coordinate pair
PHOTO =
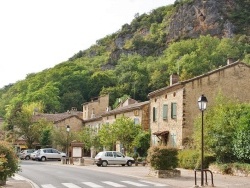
(165, 173)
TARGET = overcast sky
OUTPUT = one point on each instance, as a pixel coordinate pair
(38, 34)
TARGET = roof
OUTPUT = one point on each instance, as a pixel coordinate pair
(181, 84)
(55, 117)
(160, 133)
(135, 106)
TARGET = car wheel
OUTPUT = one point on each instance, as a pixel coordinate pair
(27, 157)
(104, 163)
(43, 158)
(129, 163)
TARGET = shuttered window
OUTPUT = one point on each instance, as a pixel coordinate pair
(165, 112)
(154, 113)
(173, 110)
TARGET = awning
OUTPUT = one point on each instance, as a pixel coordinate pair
(160, 133)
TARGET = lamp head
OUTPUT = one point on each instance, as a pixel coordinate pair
(68, 128)
(202, 103)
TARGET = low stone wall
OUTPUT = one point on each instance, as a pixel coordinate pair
(165, 173)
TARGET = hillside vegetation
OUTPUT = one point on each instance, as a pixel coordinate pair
(188, 38)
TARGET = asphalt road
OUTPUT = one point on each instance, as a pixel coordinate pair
(51, 175)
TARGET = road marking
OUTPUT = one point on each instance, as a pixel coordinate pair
(113, 184)
(90, 184)
(136, 184)
(154, 183)
(70, 185)
(48, 186)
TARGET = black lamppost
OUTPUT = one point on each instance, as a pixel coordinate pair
(67, 150)
(202, 103)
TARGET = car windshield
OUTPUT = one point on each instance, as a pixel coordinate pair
(99, 154)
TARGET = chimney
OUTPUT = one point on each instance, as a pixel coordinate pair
(174, 78)
(229, 61)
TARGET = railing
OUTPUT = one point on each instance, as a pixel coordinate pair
(204, 171)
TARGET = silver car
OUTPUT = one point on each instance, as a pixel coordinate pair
(49, 154)
(25, 154)
(105, 158)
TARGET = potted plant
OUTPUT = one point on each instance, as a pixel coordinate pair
(8, 162)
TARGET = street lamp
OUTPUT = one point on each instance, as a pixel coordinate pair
(202, 103)
(67, 148)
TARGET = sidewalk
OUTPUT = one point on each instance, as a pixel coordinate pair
(186, 180)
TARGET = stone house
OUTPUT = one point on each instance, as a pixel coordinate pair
(137, 111)
(174, 108)
(73, 118)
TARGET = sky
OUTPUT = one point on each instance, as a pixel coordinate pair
(39, 34)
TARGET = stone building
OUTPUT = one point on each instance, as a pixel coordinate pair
(174, 108)
(95, 107)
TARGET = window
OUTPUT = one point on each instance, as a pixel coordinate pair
(165, 112)
(173, 110)
(109, 154)
(154, 114)
(136, 121)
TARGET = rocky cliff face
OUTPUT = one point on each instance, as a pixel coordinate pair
(202, 17)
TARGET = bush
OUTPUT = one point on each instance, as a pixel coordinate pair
(162, 157)
(8, 161)
(191, 159)
(188, 159)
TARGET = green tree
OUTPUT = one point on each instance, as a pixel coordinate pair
(8, 161)
(125, 131)
(23, 124)
(142, 143)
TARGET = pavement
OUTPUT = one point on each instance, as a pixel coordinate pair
(186, 179)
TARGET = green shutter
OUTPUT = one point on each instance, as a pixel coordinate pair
(165, 111)
(173, 110)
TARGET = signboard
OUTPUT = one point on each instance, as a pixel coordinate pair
(77, 152)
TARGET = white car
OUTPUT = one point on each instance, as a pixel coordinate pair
(105, 158)
(49, 154)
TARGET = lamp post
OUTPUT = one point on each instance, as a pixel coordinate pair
(202, 103)
(67, 148)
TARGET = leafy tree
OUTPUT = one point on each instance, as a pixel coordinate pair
(22, 122)
(142, 143)
(107, 136)
(226, 130)
(241, 139)
(89, 137)
(8, 161)
(125, 131)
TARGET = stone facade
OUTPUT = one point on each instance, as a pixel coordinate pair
(175, 128)
(96, 107)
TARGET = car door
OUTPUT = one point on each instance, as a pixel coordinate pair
(109, 157)
(119, 158)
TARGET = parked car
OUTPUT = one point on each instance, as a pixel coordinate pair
(33, 155)
(49, 154)
(25, 154)
(105, 158)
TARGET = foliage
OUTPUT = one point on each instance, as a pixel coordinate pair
(230, 168)
(89, 137)
(162, 157)
(46, 134)
(226, 130)
(142, 143)
(61, 138)
(133, 61)
(123, 130)
(8, 161)
(21, 121)
(188, 159)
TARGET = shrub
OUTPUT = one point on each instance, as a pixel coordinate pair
(8, 161)
(162, 157)
(188, 158)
